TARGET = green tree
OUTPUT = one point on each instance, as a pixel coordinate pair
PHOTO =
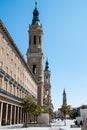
(36, 111)
(45, 110)
(27, 103)
(65, 109)
(30, 106)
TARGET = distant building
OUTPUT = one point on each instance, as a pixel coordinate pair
(55, 114)
(18, 78)
(64, 98)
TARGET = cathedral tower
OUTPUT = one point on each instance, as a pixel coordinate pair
(64, 98)
(47, 85)
(35, 55)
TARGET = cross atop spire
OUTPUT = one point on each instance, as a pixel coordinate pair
(35, 4)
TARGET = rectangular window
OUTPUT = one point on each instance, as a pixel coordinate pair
(14, 90)
(15, 65)
(1, 51)
(7, 70)
(14, 76)
(6, 85)
(7, 56)
(11, 73)
(11, 61)
(10, 88)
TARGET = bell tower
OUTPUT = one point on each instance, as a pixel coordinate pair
(47, 85)
(35, 55)
(64, 98)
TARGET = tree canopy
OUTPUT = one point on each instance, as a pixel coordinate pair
(30, 106)
(65, 109)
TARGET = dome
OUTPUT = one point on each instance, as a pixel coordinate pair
(35, 20)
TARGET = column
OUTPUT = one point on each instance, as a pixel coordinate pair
(11, 115)
(14, 114)
(1, 111)
(6, 114)
(18, 116)
(27, 118)
(21, 115)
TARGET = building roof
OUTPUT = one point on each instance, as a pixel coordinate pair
(35, 20)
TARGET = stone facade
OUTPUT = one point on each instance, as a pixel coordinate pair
(18, 78)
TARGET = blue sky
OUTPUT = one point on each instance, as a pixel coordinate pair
(64, 42)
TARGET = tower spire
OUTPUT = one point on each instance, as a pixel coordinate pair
(64, 97)
(46, 65)
(35, 20)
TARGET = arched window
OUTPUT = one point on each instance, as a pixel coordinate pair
(34, 40)
(39, 39)
(34, 69)
(46, 91)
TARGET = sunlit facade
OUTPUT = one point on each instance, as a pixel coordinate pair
(19, 78)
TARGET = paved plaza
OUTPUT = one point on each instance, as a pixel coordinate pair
(55, 125)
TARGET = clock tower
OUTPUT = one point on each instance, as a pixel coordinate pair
(35, 55)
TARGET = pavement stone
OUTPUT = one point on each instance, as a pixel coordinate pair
(56, 125)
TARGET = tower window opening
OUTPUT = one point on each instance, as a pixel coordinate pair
(34, 69)
(39, 39)
(46, 91)
(46, 79)
(34, 40)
